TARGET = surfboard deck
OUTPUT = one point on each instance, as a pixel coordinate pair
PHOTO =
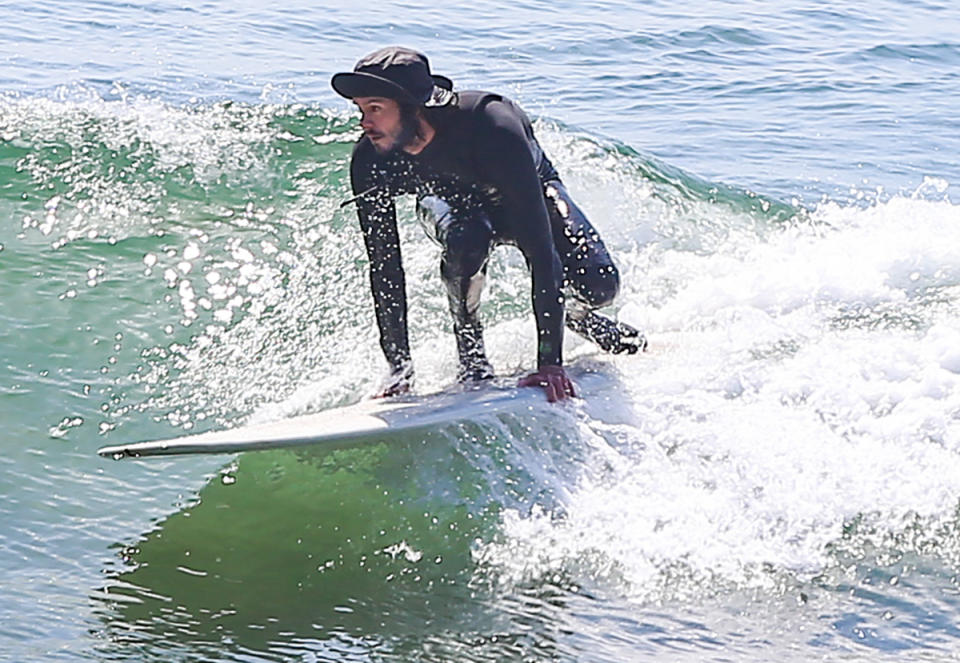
(370, 420)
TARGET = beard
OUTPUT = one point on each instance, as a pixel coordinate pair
(406, 134)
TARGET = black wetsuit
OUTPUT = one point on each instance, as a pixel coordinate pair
(495, 185)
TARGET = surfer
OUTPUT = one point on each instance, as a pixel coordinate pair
(481, 179)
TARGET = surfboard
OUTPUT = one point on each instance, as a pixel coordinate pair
(372, 420)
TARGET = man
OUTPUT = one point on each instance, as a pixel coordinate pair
(481, 179)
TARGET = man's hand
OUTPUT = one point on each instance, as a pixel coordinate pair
(554, 381)
(398, 382)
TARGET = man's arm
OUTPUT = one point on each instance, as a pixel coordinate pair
(378, 222)
(504, 159)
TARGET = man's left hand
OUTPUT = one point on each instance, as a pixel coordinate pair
(554, 381)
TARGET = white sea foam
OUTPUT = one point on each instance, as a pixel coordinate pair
(811, 378)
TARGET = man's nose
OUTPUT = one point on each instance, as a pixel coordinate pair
(365, 122)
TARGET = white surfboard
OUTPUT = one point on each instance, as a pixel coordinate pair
(373, 420)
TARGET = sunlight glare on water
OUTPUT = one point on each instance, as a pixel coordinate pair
(775, 480)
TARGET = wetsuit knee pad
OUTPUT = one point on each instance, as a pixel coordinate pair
(466, 245)
(466, 235)
(465, 251)
(432, 212)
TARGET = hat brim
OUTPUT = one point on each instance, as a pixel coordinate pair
(362, 84)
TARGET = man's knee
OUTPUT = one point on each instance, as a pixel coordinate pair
(589, 273)
(593, 285)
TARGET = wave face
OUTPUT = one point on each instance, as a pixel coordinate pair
(780, 471)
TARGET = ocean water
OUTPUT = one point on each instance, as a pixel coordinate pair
(778, 480)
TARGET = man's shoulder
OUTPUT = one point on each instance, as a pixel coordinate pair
(480, 102)
(472, 99)
(493, 112)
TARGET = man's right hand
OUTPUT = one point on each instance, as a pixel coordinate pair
(554, 381)
(398, 382)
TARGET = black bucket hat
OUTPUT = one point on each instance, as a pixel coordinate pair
(395, 73)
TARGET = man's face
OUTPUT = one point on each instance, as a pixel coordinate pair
(382, 123)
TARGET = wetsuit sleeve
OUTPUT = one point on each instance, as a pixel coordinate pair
(378, 222)
(505, 159)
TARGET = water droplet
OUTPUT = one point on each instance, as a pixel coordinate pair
(191, 252)
(228, 479)
(243, 254)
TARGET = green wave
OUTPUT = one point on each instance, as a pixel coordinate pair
(169, 164)
(375, 541)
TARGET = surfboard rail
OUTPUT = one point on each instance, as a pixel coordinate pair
(371, 419)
